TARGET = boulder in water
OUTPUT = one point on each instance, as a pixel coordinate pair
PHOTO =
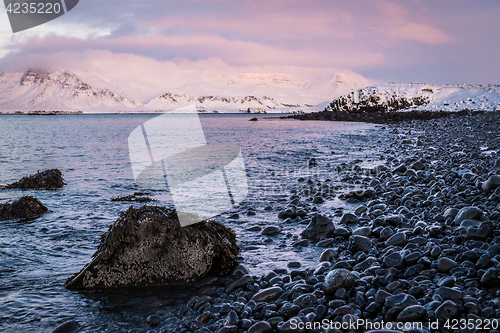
(46, 180)
(147, 247)
(26, 207)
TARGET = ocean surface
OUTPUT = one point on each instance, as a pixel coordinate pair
(36, 257)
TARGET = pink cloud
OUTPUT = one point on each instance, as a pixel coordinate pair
(421, 33)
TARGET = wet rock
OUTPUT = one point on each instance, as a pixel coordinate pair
(132, 198)
(491, 184)
(325, 242)
(47, 180)
(444, 265)
(418, 166)
(67, 327)
(451, 212)
(394, 260)
(398, 239)
(348, 218)
(239, 271)
(261, 327)
(360, 210)
(467, 213)
(490, 278)
(446, 311)
(361, 243)
(328, 255)
(412, 313)
(338, 278)
(448, 293)
(271, 230)
(291, 326)
(26, 207)
(480, 232)
(401, 169)
(228, 329)
(242, 282)
(401, 300)
(319, 228)
(153, 320)
(147, 247)
(267, 295)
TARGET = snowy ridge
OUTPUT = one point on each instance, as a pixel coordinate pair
(107, 92)
(420, 97)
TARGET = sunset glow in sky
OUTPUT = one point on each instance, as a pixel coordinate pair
(438, 41)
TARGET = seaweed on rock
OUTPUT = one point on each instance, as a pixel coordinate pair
(48, 179)
(146, 246)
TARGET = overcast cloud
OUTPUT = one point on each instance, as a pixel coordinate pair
(404, 41)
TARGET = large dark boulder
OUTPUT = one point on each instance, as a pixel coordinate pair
(147, 247)
(46, 180)
(26, 207)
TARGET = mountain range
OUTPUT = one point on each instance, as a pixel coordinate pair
(98, 92)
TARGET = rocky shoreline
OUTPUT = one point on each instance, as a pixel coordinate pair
(378, 115)
(423, 246)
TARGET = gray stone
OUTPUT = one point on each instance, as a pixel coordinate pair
(448, 293)
(418, 166)
(444, 265)
(338, 278)
(490, 278)
(394, 260)
(446, 311)
(412, 313)
(271, 230)
(451, 212)
(365, 264)
(360, 210)
(325, 242)
(242, 282)
(401, 169)
(398, 239)
(360, 242)
(400, 300)
(291, 326)
(267, 295)
(261, 327)
(480, 232)
(153, 320)
(492, 183)
(395, 220)
(228, 329)
(328, 255)
(319, 228)
(348, 218)
(467, 213)
(67, 327)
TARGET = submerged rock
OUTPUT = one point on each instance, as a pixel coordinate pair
(26, 207)
(147, 247)
(47, 180)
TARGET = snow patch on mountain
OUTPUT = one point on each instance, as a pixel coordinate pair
(420, 97)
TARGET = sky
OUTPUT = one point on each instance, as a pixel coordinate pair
(436, 41)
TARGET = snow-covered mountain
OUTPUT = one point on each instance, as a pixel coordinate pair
(420, 96)
(101, 92)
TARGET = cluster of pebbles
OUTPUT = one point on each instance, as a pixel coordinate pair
(421, 245)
